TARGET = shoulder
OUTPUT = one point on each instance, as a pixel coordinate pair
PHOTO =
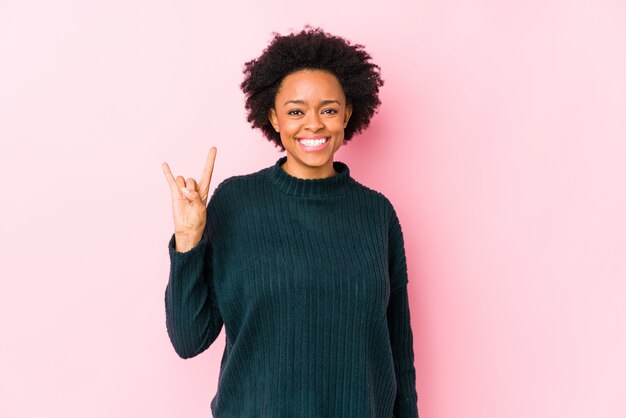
(375, 198)
(234, 185)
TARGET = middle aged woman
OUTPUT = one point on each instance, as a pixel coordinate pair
(303, 265)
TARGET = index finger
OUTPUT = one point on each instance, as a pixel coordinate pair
(205, 180)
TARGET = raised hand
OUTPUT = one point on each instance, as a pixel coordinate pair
(189, 201)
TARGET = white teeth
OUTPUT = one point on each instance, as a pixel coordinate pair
(312, 142)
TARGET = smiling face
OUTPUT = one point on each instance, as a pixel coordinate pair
(310, 113)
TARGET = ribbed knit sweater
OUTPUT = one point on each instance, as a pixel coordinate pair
(309, 279)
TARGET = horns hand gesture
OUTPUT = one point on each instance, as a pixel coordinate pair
(189, 201)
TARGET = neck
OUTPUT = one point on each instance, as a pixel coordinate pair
(321, 187)
(307, 172)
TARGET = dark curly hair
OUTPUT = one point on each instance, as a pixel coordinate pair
(311, 48)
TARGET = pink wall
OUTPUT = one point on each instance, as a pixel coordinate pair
(500, 142)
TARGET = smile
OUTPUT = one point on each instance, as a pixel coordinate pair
(313, 144)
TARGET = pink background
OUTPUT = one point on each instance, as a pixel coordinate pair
(500, 142)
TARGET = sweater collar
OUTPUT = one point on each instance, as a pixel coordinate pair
(322, 187)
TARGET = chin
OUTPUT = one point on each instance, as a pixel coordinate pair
(315, 161)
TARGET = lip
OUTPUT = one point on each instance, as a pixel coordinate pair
(313, 137)
(316, 147)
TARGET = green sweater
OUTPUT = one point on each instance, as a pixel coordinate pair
(309, 279)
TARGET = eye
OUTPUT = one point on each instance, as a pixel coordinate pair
(331, 111)
(294, 112)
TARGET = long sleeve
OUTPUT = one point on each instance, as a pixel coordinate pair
(308, 279)
(192, 318)
(399, 323)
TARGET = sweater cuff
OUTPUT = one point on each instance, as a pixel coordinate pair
(178, 256)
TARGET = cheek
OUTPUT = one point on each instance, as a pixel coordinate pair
(285, 134)
(337, 125)
(289, 126)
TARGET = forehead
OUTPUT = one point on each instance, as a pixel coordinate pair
(310, 83)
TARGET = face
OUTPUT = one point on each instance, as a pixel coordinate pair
(310, 113)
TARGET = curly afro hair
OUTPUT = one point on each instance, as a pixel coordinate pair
(314, 49)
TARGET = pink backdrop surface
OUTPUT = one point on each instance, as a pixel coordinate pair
(500, 141)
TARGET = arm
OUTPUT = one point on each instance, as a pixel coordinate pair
(193, 319)
(399, 323)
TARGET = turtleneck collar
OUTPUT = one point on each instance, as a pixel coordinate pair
(322, 187)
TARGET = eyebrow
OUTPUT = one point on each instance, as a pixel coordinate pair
(300, 101)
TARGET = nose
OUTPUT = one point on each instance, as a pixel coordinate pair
(313, 122)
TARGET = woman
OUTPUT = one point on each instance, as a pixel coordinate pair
(303, 265)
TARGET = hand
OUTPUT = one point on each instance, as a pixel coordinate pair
(189, 201)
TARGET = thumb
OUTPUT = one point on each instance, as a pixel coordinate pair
(193, 197)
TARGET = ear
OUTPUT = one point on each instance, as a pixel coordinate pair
(348, 114)
(273, 118)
